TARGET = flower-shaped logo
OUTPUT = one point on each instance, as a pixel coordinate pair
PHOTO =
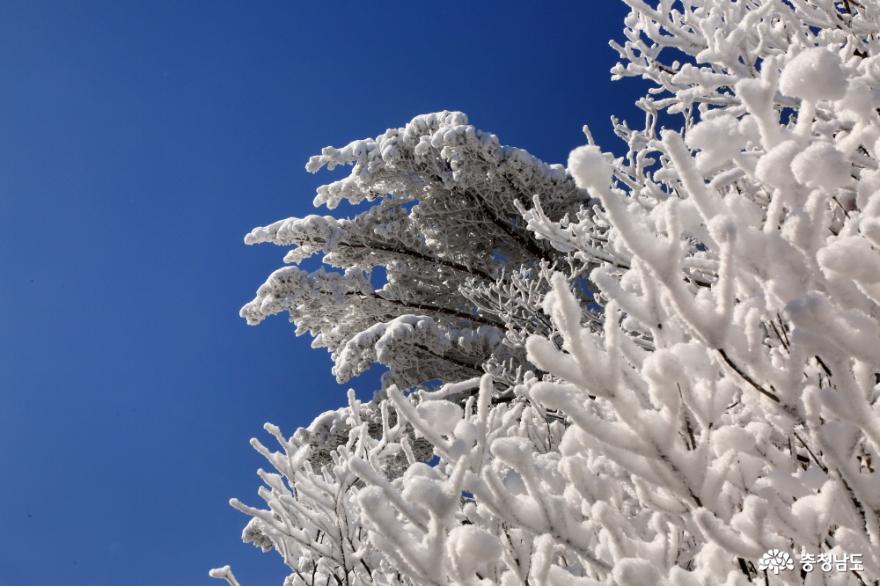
(776, 560)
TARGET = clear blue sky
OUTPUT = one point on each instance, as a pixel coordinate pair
(139, 142)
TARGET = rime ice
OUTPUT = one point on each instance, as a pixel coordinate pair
(589, 168)
(645, 381)
(814, 74)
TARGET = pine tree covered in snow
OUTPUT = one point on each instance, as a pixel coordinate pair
(655, 367)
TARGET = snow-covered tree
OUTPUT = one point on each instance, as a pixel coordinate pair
(669, 359)
(443, 223)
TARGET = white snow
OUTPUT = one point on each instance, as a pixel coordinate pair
(589, 168)
(814, 74)
(821, 165)
(719, 139)
(774, 166)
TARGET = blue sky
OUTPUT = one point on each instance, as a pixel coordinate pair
(139, 142)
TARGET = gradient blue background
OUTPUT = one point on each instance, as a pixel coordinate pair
(139, 142)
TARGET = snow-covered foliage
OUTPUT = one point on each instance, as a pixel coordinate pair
(443, 222)
(657, 367)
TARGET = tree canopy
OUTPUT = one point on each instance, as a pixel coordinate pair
(658, 368)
